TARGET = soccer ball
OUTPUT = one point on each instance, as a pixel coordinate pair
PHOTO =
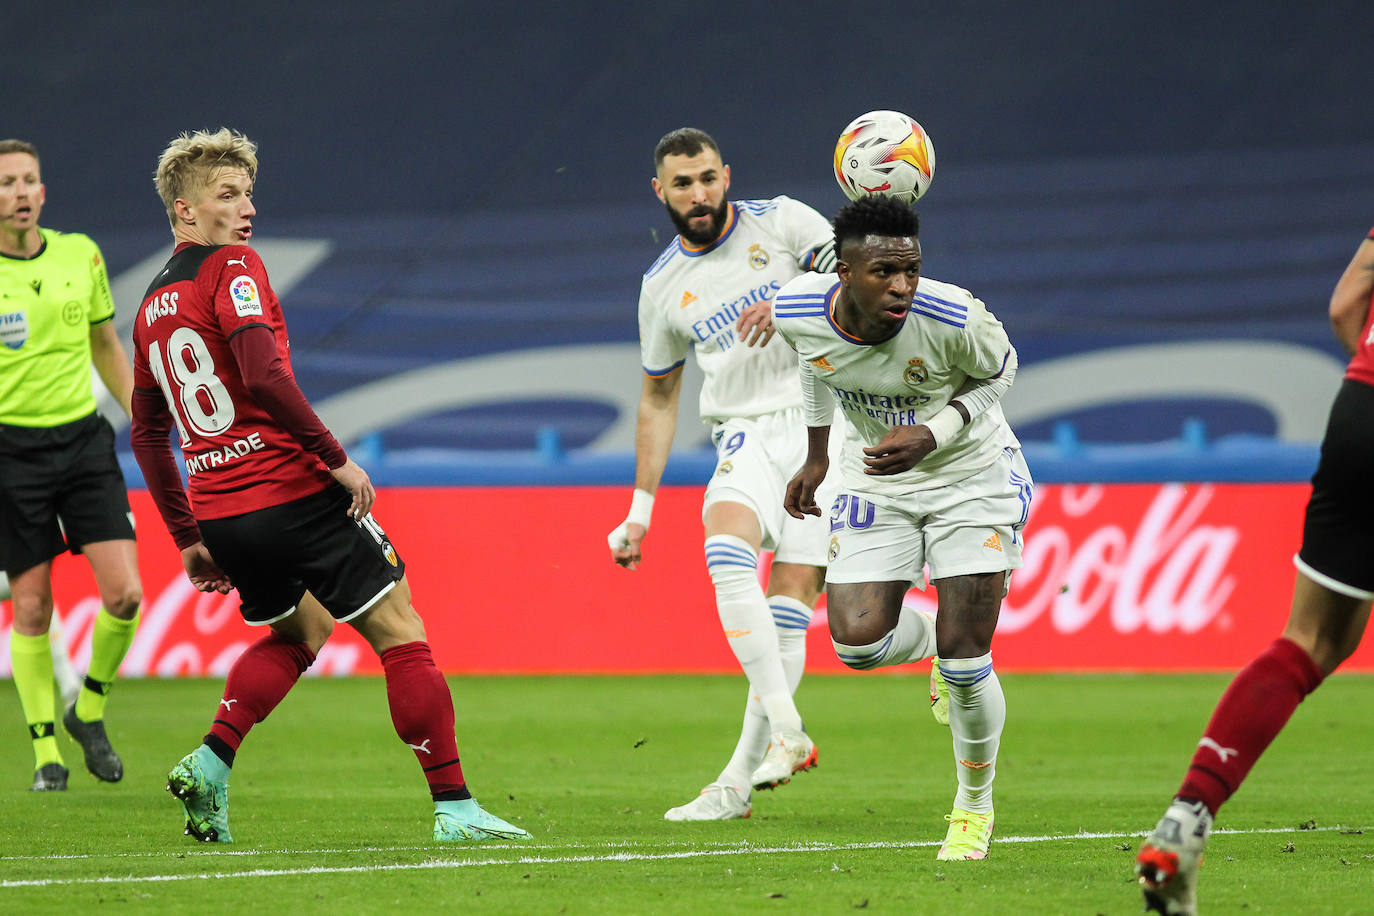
(884, 152)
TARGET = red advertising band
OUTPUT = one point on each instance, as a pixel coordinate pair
(1116, 577)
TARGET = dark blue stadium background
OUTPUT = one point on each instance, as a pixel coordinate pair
(1110, 175)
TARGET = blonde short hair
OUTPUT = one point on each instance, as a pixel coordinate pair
(18, 146)
(190, 162)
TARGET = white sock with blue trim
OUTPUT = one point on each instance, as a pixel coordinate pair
(977, 712)
(748, 625)
(912, 639)
(749, 750)
(791, 617)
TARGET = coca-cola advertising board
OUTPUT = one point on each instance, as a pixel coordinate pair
(519, 580)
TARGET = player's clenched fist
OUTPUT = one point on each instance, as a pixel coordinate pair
(800, 500)
(626, 538)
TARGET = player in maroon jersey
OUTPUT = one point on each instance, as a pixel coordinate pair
(276, 509)
(1330, 609)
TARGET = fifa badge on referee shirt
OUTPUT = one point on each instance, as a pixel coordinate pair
(14, 329)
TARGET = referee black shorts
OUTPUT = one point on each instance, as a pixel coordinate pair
(274, 555)
(60, 488)
(1338, 531)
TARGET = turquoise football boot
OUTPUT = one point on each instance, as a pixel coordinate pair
(201, 782)
(467, 822)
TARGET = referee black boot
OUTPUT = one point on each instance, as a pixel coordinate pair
(101, 759)
(50, 777)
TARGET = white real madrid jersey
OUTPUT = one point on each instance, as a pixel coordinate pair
(947, 338)
(692, 297)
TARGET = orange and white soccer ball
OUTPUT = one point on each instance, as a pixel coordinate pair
(884, 152)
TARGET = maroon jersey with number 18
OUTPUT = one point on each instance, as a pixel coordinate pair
(240, 454)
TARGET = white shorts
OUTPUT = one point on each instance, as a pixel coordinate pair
(973, 526)
(755, 459)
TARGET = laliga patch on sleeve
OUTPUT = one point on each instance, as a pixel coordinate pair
(244, 292)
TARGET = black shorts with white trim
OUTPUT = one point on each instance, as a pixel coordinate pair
(1338, 531)
(274, 555)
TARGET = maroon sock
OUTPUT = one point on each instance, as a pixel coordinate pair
(422, 711)
(1250, 714)
(261, 676)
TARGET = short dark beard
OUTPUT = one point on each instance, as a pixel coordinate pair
(707, 236)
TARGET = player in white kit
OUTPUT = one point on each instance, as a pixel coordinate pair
(930, 475)
(710, 292)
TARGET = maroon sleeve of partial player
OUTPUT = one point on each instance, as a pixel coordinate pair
(274, 387)
(152, 425)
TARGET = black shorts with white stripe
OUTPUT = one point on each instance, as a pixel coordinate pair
(1338, 531)
(274, 555)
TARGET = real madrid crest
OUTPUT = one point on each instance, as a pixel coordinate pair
(834, 552)
(758, 258)
(916, 372)
(725, 467)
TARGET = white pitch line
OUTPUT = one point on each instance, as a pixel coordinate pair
(1236, 831)
(197, 852)
(569, 860)
(211, 849)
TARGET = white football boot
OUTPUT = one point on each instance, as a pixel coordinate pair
(788, 752)
(1169, 858)
(717, 802)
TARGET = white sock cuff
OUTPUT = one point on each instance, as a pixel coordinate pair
(723, 550)
(789, 613)
(864, 657)
(965, 672)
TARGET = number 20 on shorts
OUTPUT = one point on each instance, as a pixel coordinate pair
(850, 511)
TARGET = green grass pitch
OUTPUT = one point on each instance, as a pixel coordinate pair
(331, 815)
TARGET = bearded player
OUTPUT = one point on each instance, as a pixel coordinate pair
(710, 292)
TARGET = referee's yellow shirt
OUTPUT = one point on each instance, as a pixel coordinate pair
(48, 304)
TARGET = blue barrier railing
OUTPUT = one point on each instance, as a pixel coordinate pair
(1063, 459)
